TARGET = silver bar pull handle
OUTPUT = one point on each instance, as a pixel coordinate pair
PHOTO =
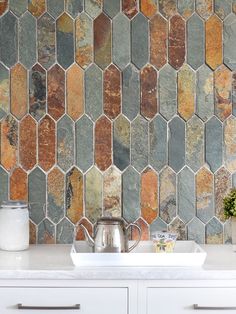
(26, 307)
(213, 308)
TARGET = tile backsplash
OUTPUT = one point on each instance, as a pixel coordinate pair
(126, 108)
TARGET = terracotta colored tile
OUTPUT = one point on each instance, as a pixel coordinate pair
(158, 41)
(176, 47)
(149, 195)
(168, 8)
(18, 83)
(230, 144)
(204, 8)
(46, 143)
(37, 7)
(56, 92)
(186, 92)
(9, 142)
(19, 185)
(80, 234)
(32, 233)
(112, 192)
(74, 195)
(103, 154)
(145, 230)
(222, 188)
(214, 49)
(112, 91)
(130, 7)
(148, 7)
(3, 6)
(75, 92)
(27, 145)
(223, 102)
(148, 92)
(102, 41)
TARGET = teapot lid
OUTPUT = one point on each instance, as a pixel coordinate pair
(107, 220)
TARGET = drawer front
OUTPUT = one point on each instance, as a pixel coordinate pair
(191, 300)
(64, 300)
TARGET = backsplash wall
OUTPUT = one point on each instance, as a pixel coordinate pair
(123, 108)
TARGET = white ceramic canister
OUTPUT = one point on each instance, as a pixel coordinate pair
(14, 226)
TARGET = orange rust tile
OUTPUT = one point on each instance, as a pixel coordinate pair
(80, 234)
(19, 185)
(149, 195)
(32, 233)
(27, 139)
(103, 157)
(112, 92)
(19, 83)
(145, 230)
(37, 7)
(148, 7)
(3, 6)
(214, 46)
(130, 8)
(46, 143)
(75, 92)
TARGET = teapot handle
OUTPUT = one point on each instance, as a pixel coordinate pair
(139, 236)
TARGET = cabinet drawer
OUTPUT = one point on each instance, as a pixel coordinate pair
(88, 300)
(182, 300)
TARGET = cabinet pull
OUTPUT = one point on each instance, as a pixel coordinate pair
(26, 307)
(197, 307)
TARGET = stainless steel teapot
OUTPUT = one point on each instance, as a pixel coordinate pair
(110, 236)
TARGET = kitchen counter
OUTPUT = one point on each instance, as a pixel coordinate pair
(51, 262)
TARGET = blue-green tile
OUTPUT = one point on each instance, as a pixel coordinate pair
(158, 143)
(131, 194)
(177, 226)
(121, 143)
(5, 91)
(130, 92)
(18, 6)
(196, 231)
(186, 7)
(46, 40)
(27, 40)
(139, 40)
(214, 232)
(3, 185)
(222, 8)
(176, 143)
(93, 7)
(93, 91)
(111, 7)
(168, 91)
(214, 143)
(64, 232)
(195, 41)
(46, 232)
(55, 7)
(228, 232)
(121, 41)
(84, 143)
(65, 38)
(65, 143)
(229, 41)
(74, 7)
(186, 194)
(205, 93)
(37, 195)
(9, 39)
(157, 225)
(139, 143)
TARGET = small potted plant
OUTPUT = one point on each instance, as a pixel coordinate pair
(230, 211)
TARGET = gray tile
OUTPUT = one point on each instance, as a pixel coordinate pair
(18, 7)
(4, 185)
(168, 91)
(55, 7)
(195, 41)
(84, 143)
(131, 194)
(229, 41)
(204, 8)
(74, 7)
(111, 7)
(157, 225)
(228, 232)
(186, 194)
(121, 41)
(93, 194)
(37, 195)
(121, 142)
(214, 143)
(9, 39)
(46, 232)
(27, 40)
(234, 180)
(176, 143)
(5, 91)
(139, 143)
(139, 40)
(196, 231)
(205, 93)
(178, 227)
(222, 186)
(130, 92)
(65, 143)
(93, 92)
(93, 7)
(185, 7)
(158, 143)
(195, 143)
(222, 8)
(64, 232)
(214, 232)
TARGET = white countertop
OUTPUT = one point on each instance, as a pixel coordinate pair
(54, 262)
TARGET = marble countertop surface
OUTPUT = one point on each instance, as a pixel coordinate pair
(51, 262)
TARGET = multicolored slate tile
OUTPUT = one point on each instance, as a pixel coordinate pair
(64, 232)
(54, 7)
(157, 225)
(233, 93)
(37, 7)
(177, 226)
(196, 231)
(4, 91)
(167, 8)
(230, 144)
(144, 230)
(93, 7)
(4, 185)
(222, 8)
(148, 7)
(186, 8)
(221, 189)
(74, 7)
(204, 8)
(130, 8)
(46, 232)
(3, 6)
(111, 7)
(214, 232)
(80, 236)
(19, 185)
(32, 233)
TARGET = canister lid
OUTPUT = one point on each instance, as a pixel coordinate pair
(14, 204)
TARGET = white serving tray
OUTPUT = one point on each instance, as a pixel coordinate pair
(186, 253)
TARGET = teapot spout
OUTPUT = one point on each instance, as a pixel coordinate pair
(88, 237)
